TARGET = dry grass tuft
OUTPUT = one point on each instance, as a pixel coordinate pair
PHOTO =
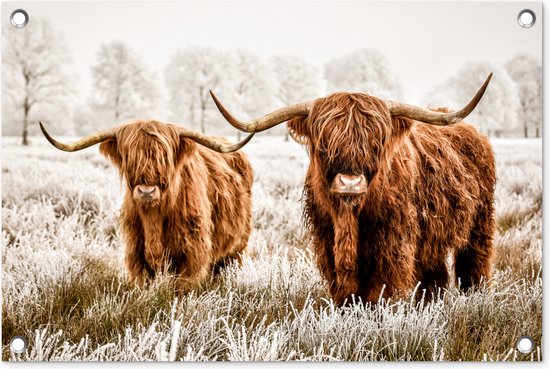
(64, 284)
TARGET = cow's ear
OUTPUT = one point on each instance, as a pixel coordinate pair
(109, 149)
(298, 129)
(186, 148)
(401, 125)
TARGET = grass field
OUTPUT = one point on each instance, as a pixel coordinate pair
(64, 282)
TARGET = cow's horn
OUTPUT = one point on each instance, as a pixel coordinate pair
(267, 121)
(211, 142)
(83, 143)
(433, 117)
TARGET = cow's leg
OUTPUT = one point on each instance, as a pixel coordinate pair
(134, 250)
(155, 252)
(473, 263)
(240, 245)
(195, 264)
(433, 277)
(234, 257)
(325, 261)
(136, 265)
(345, 256)
(236, 248)
(190, 277)
(322, 232)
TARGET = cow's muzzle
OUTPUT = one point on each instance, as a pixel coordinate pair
(349, 184)
(146, 194)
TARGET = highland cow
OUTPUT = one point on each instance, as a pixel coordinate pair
(390, 191)
(187, 207)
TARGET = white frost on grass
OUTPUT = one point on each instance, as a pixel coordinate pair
(60, 240)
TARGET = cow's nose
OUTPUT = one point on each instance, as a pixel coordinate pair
(349, 184)
(350, 180)
(146, 195)
(146, 191)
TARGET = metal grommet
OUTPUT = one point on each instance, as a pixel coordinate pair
(525, 344)
(18, 344)
(19, 18)
(527, 18)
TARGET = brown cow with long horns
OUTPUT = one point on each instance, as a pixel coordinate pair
(188, 203)
(391, 190)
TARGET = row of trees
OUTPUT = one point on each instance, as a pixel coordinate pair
(512, 105)
(37, 85)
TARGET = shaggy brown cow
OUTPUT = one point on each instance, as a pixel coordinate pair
(388, 197)
(187, 207)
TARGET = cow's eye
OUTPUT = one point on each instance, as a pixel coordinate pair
(163, 186)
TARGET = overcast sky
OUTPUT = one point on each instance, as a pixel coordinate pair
(425, 42)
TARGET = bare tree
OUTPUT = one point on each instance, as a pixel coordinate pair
(248, 86)
(124, 87)
(526, 71)
(363, 71)
(296, 80)
(35, 77)
(189, 76)
(497, 111)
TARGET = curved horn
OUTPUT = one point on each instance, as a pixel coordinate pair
(267, 121)
(211, 142)
(433, 117)
(83, 143)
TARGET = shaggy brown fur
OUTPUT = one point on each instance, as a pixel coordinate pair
(430, 193)
(201, 213)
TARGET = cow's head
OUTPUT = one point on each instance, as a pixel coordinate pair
(349, 135)
(148, 155)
